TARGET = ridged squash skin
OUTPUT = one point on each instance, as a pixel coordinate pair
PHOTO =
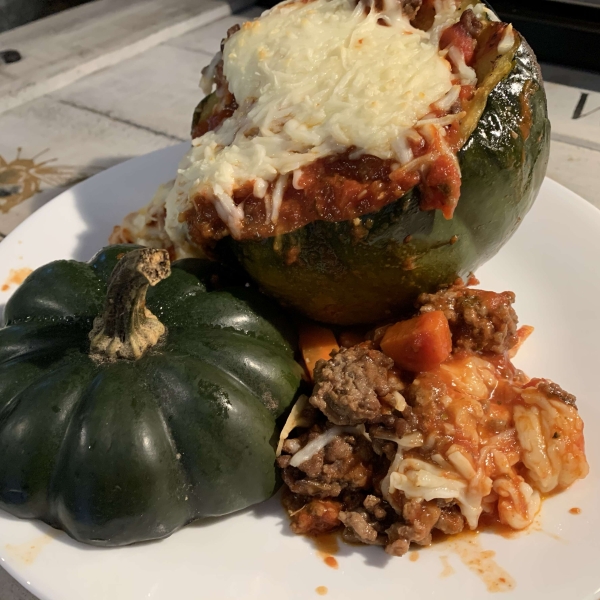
(123, 451)
(339, 278)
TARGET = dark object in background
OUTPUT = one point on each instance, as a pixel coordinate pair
(561, 32)
(10, 56)
(18, 12)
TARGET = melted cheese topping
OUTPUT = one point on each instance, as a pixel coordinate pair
(312, 79)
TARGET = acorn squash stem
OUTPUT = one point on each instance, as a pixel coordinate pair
(126, 328)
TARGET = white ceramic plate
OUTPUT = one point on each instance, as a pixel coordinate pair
(552, 265)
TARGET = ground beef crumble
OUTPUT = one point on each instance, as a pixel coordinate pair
(471, 23)
(553, 390)
(346, 463)
(411, 7)
(480, 321)
(450, 520)
(354, 386)
(372, 405)
(339, 487)
(360, 527)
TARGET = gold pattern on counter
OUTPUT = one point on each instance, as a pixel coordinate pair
(22, 178)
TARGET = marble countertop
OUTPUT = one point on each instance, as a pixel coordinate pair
(133, 96)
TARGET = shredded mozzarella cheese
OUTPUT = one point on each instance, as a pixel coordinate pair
(420, 479)
(206, 81)
(411, 440)
(446, 14)
(508, 40)
(399, 401)
(313, 79)
(294, 420)
(449, 99)
(296, 179)
(467, 74)
(318, 443)
(482, 11)
(278, 196)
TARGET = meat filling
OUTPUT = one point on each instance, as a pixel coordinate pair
(392, 456)
(355, 385)
(480, 321)
(344, 464)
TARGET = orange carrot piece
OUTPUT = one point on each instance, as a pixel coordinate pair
(522, 334)
(316, 342)
(419, 344)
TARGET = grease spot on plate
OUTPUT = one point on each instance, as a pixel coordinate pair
(413, 556)
(575, 511)
(494, 526)
(321, 590)
(537, 526)
(27, 553)
(16, 277)
(448, 568)
(327, 544)
(481, 562)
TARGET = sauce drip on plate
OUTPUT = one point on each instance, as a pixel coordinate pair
(16, 277)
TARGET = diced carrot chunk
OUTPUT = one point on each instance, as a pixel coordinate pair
(419, 344)
(316, 342)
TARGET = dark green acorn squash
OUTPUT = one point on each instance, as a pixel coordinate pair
(401, 251)
(125, 427)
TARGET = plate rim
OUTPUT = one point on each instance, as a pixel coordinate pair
(103, 178)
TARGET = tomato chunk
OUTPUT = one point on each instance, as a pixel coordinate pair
(467, 92)
(419, 344)
(458, 36)
(441, 186)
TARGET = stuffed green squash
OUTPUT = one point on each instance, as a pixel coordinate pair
(354, 154)
(127, 411)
